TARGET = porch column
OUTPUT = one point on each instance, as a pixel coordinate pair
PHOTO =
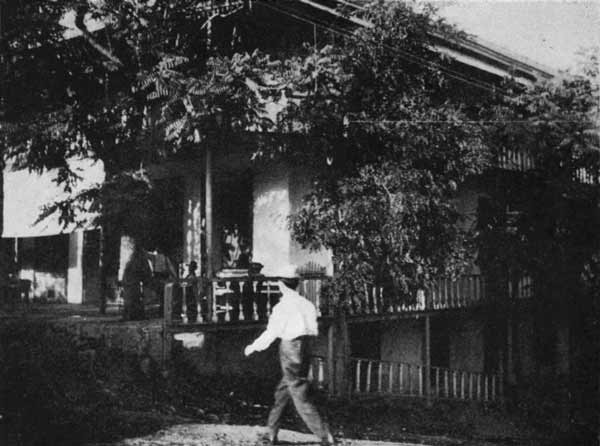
(192, 221)
(208, 221)
(75, 269)
(208, 211)
(427, 361)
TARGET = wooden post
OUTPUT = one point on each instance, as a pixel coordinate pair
(500, 374)
(427, 360)
(167, 319)
(330, 361)
(344, 386)
(208, 221)
(509, 350)
(208, 211)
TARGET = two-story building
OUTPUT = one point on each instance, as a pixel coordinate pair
(224, 207)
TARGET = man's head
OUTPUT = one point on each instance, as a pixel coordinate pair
(291, 282)
(289, 277)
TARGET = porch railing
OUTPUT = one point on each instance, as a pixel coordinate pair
(317, 372)
(220, 6)
(374, 377)
(251, 298)
(236, 299)
(443, 294)
(515, 160)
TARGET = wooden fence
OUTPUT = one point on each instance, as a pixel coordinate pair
(374, 377)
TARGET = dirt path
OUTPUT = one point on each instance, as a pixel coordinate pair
(230, 435)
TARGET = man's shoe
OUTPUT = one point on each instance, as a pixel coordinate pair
(329, 441)
(269, 439)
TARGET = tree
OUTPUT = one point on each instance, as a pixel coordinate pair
(551, 233)
(379, 112)
(140, 90)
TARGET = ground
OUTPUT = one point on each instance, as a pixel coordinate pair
(230, 435)
(57, 390)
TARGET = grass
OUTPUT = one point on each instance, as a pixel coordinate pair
(59, 390)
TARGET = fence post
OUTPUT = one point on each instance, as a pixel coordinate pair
(427, 362)
(167, 319)
(501, 375)
(345, 383)
(330, 361)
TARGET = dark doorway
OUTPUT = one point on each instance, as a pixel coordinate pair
(232, 207)
(440, 342)
(365, 340)
(166, 231)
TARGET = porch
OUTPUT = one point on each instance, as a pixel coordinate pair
(228, 307)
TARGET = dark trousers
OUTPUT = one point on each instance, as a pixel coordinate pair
(294, 356)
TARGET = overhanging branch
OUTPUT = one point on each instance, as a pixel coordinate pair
(79, 23)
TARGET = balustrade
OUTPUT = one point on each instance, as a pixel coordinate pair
(515, 160)
(251, 298)
(316, 372)
(235, 299)
(522, 161)
(371, 377)
(442, 294)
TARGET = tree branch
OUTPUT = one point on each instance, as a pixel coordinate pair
(80, 25)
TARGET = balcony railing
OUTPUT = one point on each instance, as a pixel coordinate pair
(515, 160)
(467, 290)
(521, 161)
(220, 6)
(251, 298)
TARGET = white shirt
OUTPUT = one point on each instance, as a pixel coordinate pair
(292, 317)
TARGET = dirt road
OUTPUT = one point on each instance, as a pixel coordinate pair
(230, 435)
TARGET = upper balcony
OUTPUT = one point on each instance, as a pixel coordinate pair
(520, 161)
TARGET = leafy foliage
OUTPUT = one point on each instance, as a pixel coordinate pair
(550, 229)
(397, 149)
(135, 92)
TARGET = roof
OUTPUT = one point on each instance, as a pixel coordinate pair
(468, 50)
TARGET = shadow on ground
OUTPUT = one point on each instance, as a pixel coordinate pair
(56, 389)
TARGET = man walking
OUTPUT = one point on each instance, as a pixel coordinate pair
(294, 321)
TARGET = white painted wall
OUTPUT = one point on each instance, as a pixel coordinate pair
(75, 269)
(271, 238)
(125, 253)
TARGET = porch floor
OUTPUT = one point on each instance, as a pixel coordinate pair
(61, 311)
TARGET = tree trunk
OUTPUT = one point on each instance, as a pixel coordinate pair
(5, 257)
(108, 262)
(136, 274)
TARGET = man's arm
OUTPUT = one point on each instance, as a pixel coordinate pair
(273, 331)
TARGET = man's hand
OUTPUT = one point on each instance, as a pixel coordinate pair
(248, 350)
